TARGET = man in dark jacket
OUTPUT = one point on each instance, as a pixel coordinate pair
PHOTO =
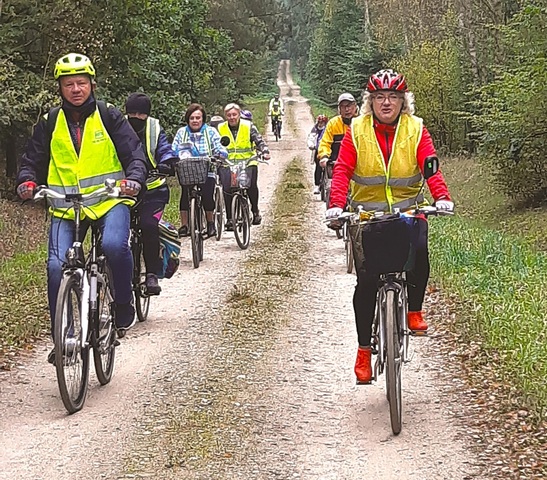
(72, 150)
(157, 150)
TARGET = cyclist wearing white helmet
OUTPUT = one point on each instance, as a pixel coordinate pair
(314, 138)
(73, 149)
(247, 115)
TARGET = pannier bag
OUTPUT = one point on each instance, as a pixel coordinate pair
(169, 249)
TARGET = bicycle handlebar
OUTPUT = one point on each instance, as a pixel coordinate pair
(426, 210)
(109, 190)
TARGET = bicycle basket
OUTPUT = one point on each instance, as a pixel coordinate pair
(192, 170)
(240, 176)
(388, 244)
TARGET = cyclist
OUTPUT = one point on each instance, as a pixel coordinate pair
(384, 154)
(73, 149)
(275, 110)
(336, 129)
(244, 139)
(157, 149)
(314, 138)
(205, 142)
(215, 121)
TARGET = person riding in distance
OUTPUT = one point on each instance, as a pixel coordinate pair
(157, 150)
(244, 139)
(73, 149)
(384, 154)
(205, 142)
(314, 139)
(276, 109)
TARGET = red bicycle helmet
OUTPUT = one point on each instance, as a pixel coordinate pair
(322, 119)
(387, 80)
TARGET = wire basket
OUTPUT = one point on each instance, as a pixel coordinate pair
(192, 170)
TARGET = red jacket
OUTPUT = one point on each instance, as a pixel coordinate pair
(347, 159)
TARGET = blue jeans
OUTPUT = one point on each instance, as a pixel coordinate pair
(114, 227)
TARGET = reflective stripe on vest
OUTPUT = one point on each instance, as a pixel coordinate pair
(84, 173)
(152, 135)
(376, 187)
(241, 148)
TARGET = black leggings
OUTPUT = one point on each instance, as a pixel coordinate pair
(318, 172)
(252, 191)
(207, 196)
(150, 212)
(364, 298)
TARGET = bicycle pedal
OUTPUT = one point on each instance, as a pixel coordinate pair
(357, 382)
(419, 333)
(116, 343)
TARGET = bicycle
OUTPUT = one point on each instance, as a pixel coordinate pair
(276, 126)
(348, 247)
(326, 180)
(84, 308)
(138, 282)
(390, 334)
(192, 172)
(218, 214)
(240, 181)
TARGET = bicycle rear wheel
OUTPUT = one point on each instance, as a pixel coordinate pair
(104, 341)
(242, 220)
(219, 211)
(195, 232)
(142, 299)
(71, 351)
(394, 363)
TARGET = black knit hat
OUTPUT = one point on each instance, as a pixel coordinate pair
(138, 103)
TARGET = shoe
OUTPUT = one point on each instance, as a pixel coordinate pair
(229, 227)
(211, 229)
(152, 285)
(183, 231)
(257, 218)
(416, 322)
(363, 368)
(316, 190)
(70, 347)
(125, 318)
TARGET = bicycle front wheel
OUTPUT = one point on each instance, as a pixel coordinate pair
(71, 351)
(104, 341)
(195, 232)
(219, 211)
(394, 363)
(242, 221)
(142, 299)
(349, 252)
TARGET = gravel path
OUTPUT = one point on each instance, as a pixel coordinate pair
(196, 395)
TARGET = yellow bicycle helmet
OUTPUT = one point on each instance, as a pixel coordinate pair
(73, 64)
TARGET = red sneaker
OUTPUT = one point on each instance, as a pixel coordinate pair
(363, 369)
(416, 322)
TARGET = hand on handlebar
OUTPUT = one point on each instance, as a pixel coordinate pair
(166, 169)
(445, 205)
(26, 190)
(266, 156)
(130, 187)
(323, 162)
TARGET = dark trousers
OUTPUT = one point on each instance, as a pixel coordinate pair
(364, 298)
(207, 196)
(150, 213)
(318, 171)
(252, 171)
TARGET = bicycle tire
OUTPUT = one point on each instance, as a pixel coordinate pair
(142, 300)
(104, 341)
(241, 220)
(219, 212)
(202, 231)
(73, 388)
(394, 363)
(195, 232)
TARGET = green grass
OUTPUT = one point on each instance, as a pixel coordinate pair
(490, 258)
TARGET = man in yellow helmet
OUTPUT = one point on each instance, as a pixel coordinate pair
(73, 150)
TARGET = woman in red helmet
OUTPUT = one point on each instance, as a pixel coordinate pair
(384, 153)
(314, 138)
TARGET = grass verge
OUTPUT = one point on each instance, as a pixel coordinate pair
(497, 273)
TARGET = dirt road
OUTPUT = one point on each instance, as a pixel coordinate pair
(193, 397)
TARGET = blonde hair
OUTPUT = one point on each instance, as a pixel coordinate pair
(408, 104)
(232, 106)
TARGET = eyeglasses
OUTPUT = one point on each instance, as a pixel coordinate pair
(392, 98)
